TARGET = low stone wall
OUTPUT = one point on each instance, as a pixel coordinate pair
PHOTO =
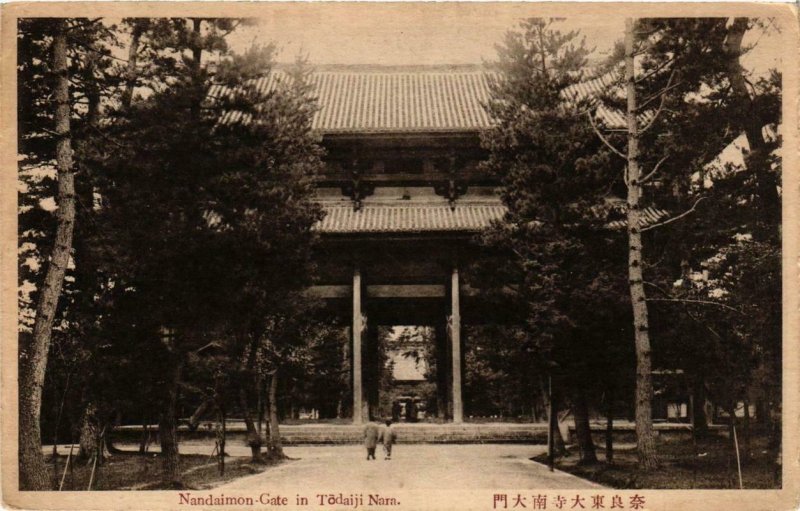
(625, 432)
(467, 433)
(350, 434)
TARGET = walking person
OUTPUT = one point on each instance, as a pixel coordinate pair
(371, 434)
(388, 436)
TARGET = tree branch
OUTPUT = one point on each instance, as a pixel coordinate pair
(656, 286)
(655, 70)
(687, 300)
(685, 308)
(603, 139)
(102, 54)
(660, 108)
(107, 138)
(234, 27)
(660, 94)
(652, 172)
(665, 222)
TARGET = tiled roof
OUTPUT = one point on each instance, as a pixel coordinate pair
(419, 100)
(392, 101)
(610, 85)
(603, 84)
(341, 218)
(649, 217)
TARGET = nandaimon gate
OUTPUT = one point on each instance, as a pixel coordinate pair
(403, 197)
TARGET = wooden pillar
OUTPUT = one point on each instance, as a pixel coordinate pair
(455, 339)
(442, 370)
(358, 393)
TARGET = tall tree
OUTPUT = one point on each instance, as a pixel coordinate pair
(645, 436)
(556, 177)
(91, 82)
(33, 474)
(689, 111)
(736, 107)
(207, 220)
(752, 118)
(285, 352)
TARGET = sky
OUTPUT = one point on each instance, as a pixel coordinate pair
(428, 34)
(385, 35)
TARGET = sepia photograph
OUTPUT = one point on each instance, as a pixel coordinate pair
(412, 256)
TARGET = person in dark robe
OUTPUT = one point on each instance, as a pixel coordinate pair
(396, 408)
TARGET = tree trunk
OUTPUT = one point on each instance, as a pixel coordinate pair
(732, 453)
(133, 57)
(260, 403)
(222, 436)
(253, 438)
(762, 408)
(609, 427)
(90, 432)
(275, 445)
(752, 123)
(645, 438)
(197, 49)
(746, 431)
(168, 432)
(197, 416)
(144, 442)
(700, 418)
(559, 446)
(583, 431)
(33, 360)
(59, 415)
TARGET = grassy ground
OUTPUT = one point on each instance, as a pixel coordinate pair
(133, 471)
(713, 467)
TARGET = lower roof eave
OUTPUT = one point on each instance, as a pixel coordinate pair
(399, 235)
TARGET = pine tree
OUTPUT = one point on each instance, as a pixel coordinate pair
(59, 69)
(681, 113)
(645, 436)
(208, 222)
(556, 176)
(33, 474)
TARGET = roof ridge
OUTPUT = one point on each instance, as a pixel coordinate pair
(407, 204)
(378, 68)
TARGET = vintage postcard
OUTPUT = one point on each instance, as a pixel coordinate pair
(419, 255)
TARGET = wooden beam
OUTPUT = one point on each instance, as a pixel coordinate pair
(470, 177)
(469, 139)
(329, 291)
(406, 291)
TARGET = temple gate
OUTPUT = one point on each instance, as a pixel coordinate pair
(403, 197)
